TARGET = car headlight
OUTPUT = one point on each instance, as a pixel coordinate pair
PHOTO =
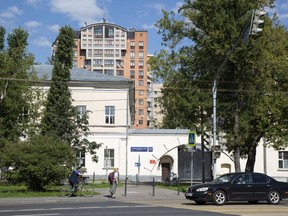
(203, 189)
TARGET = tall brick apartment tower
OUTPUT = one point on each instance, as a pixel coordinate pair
(114, 50)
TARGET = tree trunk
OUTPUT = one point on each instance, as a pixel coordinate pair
(251, 158)
(236, 156)
(236, 153)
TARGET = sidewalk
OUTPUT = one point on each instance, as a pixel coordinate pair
(134, 193)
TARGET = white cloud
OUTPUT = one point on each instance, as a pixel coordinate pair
(42, 41)
(80, 11)
(33, 24)
(177, 6)
(157, 6)
(54, 28)
(11, 12)
(33, 2)
(148, 27)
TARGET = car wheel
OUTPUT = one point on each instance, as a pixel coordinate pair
(219, 197)
(253, 202)
(273, 197)
(200, 202)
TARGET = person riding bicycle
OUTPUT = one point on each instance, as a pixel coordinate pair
(74, 178)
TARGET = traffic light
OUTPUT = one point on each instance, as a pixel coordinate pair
(257, 21)
(217, 151)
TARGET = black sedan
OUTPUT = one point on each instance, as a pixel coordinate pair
(242, 186)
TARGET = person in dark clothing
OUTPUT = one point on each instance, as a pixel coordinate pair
(74, 178)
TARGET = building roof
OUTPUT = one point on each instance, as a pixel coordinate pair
(45, 71)
(158, 131)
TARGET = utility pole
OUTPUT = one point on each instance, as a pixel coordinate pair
(252, 28)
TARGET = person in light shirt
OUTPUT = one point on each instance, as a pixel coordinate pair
(114, 182)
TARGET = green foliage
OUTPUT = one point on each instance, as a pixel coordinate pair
(252, 80)
(14, 85)
(38, 161)
(61, 119)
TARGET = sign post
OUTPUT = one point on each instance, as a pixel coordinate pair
(192, 143)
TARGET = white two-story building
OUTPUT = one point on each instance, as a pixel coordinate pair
(145, 153)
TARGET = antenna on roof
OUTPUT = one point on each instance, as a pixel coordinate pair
(104, 17)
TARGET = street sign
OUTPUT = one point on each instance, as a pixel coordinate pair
(141, 149)
(192, 138)
(137, 164)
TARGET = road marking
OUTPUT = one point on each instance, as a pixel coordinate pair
(37, 215)
(69, 208)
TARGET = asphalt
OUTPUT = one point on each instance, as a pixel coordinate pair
(132, 193)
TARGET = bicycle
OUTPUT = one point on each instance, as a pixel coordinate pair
(83, 188)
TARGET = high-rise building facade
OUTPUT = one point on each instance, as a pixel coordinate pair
(114, 50)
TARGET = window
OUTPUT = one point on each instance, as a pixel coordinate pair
(80, 155)
(23, 117)
(109, 72)
(141, 64)
(141, 83)
(132, 63)
(98, 32)
(258, 178)
(140, 92)
(141, 74)
(242, 179)
(283, 159)
(132, 45)
(108, 158)
(109, 52)
(140, 102)
(98, 52)
(140, 122)
(132, 74)
(120, 73)
(141, 44)
(81, 110)
(109, 114)
(75, 53)
(97, 62)
(141, 112)
(89, 52)
(109, 42)
(109, 32)
(132, 55)
(109, 62)
(98, 42)
(141, 55)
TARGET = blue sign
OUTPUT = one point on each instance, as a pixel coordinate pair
(137, 164)
(192, 138)
(141, 149)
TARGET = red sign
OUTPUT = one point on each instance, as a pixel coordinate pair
(152, 161)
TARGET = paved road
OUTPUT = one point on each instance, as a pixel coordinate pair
(159, 198)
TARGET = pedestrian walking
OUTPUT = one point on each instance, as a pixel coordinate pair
(114, 181)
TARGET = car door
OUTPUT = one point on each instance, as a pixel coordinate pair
(240, 188)
(260, 186)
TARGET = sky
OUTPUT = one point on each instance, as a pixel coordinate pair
(44, 18)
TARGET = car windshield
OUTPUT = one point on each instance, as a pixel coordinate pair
(224, 178)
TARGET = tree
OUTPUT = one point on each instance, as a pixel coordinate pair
(61, 119)
(14, 84)
(38, 161)
(210, 30)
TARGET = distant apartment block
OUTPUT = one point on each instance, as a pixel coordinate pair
(114, 50)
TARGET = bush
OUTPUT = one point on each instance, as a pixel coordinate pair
(38, 162)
